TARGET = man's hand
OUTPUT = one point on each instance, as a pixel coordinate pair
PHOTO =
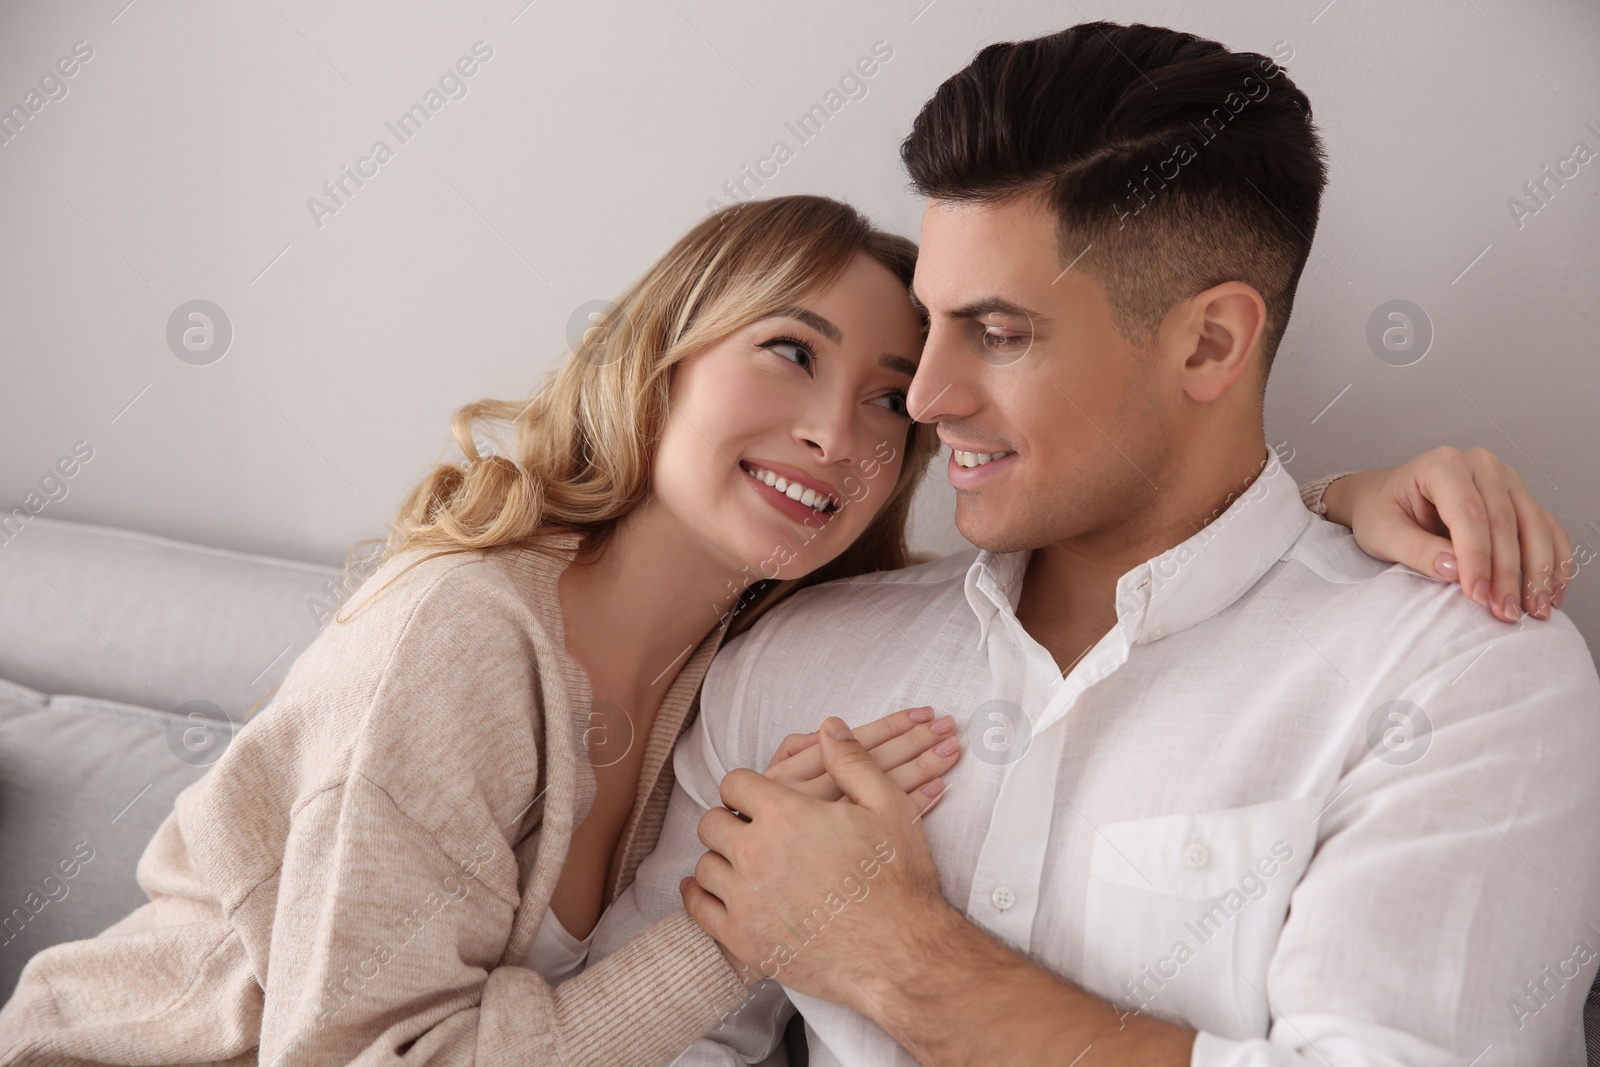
(818, 893)
(1461, 516)
(840, 900)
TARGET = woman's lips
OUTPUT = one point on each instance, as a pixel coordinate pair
(794, 509)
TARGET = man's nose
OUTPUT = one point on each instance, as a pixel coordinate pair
(941, 389)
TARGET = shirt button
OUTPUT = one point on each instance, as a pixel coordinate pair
(1157, 633)
(1196, 855)
(1003, 897)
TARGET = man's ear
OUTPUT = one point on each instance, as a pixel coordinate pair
(1215, 335)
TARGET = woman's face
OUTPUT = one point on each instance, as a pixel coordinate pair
(785, 439)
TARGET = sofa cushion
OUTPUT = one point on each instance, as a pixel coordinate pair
(145, 620)
(84, 783)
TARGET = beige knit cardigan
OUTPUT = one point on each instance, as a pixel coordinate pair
(359, 878)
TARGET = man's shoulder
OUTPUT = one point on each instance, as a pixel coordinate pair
(824, 622)
(1416, 617)
(869, 596)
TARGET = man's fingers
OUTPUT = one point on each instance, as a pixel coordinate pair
(716, 875)
(748, 791)
(852, 769)
(706, 910)
(719, 828)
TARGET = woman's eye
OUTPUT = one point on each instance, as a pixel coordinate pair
(897, 403)
(803, 357)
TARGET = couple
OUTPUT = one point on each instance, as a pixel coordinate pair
(455, 837)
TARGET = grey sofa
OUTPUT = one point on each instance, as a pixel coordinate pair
(127, 662)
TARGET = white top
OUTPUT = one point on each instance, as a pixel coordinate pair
(556, 954)
(1233, 738)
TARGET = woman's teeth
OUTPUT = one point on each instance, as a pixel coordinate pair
(977, 459)
(793, 490)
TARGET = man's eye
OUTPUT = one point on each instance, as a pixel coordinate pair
(803, 357)
(897, 403)
(999, 341)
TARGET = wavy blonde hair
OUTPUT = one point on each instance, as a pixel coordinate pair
(582, 448)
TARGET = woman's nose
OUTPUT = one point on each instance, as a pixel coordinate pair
(828, 430)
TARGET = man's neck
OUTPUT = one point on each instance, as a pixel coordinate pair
(1068, 599)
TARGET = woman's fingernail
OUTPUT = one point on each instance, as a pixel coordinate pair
(946, 747)
(1556, 603)
(1513, 609)
(1445, 564)
(933, 788)
(944, 726)
(839, 731)
(921, 714)
(1480, 592)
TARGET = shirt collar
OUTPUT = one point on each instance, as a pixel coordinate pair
(1184, 585)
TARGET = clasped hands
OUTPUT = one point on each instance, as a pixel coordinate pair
(832, 874)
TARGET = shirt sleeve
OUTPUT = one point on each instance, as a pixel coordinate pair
(704, 755)
(1447, 915)
(398, 887)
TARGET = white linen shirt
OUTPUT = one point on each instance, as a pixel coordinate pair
(1320, 808)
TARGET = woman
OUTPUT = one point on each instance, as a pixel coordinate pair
(402, 858)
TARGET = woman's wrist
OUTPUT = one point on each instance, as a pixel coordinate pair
(1333, 497)
(1336, 501)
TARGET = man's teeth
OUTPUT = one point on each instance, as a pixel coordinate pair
(793, 490)
(977, 459)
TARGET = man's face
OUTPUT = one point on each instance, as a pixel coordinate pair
(1023, 359)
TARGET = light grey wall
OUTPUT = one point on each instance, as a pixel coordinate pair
(180, 161)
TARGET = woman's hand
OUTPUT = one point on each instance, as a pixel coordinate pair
(910, 746)
(1460, 516)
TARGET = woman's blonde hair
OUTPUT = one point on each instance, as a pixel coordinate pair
(582, 448)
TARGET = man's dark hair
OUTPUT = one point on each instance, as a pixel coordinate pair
(1175, 162)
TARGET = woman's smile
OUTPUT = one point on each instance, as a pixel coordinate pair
(796, 494)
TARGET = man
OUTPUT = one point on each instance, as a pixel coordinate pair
(1188, 701)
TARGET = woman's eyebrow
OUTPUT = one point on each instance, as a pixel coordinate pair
(813, 320)
(887, 360)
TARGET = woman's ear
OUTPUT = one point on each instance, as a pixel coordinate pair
(1216, 336)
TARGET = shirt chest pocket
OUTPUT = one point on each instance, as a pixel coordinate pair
(1182, 911)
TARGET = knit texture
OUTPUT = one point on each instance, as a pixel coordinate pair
(359, 878)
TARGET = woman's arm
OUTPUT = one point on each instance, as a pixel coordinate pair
(1462, 517)
(401, 886)
(672, 982)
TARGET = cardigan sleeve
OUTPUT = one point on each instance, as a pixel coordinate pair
(1311, 493)
(398, 887)
(721, 738)
(385, 953)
